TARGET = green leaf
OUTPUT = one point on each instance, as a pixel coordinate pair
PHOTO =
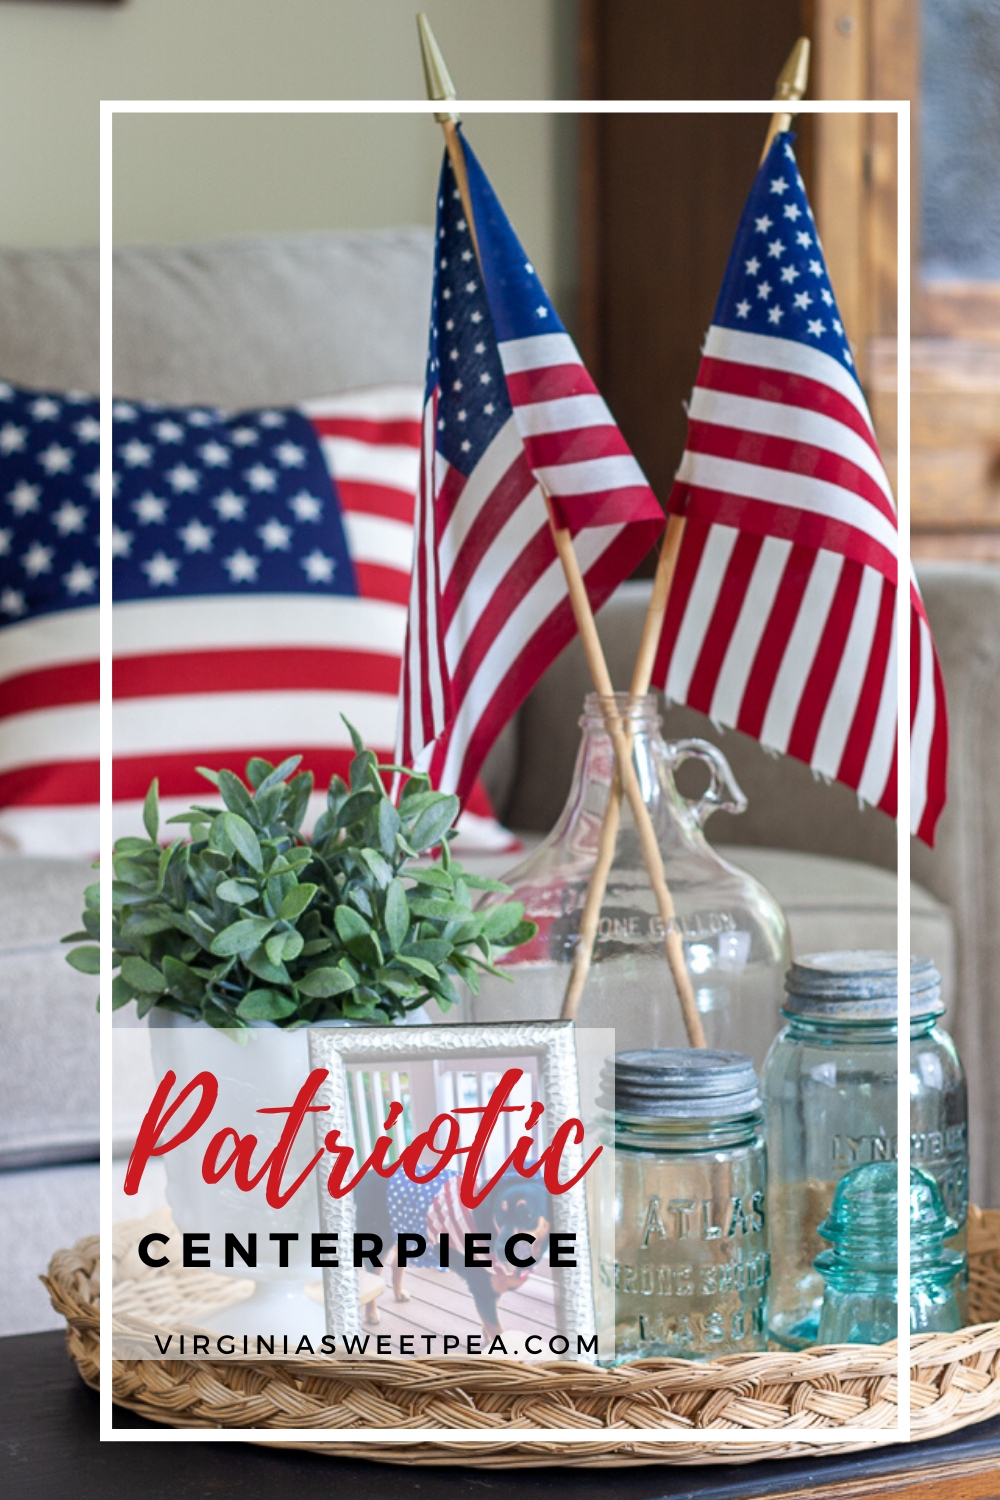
(87, 960)
(151, 810)
(500, 921)
(237, 892)
(356, 740)
(260, 965)
(399, 984)
(234, 793)
(362, 1004)
(142, 976)
(388, 826)
(92, 897)
(380, 868)
(356, 935)
(130, 846)
(140, 925)
(296, 901)
(317, 945)
(434, 822)
(265, 1005)
(324, 983)
(181, 980)
(280, 773)
(433, 877)
(294, 943)
(241, 937)
(212, 776)
(283, 945)
(300, 789)
(257, 769)
(350, 924)
(431, 950)
(438, 910)
(166, 855)
(357, 806)
(243, 839)
(481, 883)
(418, 965)
(522, 933)
(122, 993)
(397, 915)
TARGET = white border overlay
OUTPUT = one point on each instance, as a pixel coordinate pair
(819, 1437)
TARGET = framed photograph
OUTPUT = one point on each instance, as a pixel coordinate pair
(459, 1237)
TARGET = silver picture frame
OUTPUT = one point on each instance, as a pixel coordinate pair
(552, 1044)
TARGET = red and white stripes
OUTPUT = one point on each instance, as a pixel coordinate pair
(570, 438)
(781, 620)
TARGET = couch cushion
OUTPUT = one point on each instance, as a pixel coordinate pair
(842, 903)
(235, 322)
(49, 329)
(49, 1060)
(271, 319)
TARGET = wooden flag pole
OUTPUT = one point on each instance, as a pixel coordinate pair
(791, 85)
(440, 87)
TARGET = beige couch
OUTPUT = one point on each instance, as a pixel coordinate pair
(278, 320)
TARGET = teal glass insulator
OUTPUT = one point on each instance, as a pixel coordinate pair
(862, 1287)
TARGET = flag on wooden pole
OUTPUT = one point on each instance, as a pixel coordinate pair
(511, 416)
(781, 617)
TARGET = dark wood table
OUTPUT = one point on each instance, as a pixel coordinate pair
(49, 1450)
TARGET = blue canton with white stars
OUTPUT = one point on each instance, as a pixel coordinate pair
(462, 357)
(471, 309)
(209, 503)
(520, 305)
(48, 502)
(776, 281)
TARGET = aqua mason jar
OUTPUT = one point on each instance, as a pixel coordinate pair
(734, 935)
(830, 1096)
(860, 1269)
(690, 1178)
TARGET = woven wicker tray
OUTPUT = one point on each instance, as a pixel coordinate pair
(954, 1381)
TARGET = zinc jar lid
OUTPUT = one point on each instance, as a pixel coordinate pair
(859, 985)
(674, 1083)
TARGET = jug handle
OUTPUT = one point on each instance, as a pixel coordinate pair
(724, 792)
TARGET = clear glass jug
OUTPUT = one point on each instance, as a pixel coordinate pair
(733, 933)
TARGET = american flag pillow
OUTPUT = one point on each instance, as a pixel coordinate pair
(260, 584)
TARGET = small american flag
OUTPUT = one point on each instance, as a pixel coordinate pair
(509, 409)
(781, 619)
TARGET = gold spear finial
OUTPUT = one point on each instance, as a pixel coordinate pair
(794, 75)
(436, 75)
(790, 87)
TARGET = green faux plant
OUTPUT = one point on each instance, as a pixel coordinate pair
(247, 920)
